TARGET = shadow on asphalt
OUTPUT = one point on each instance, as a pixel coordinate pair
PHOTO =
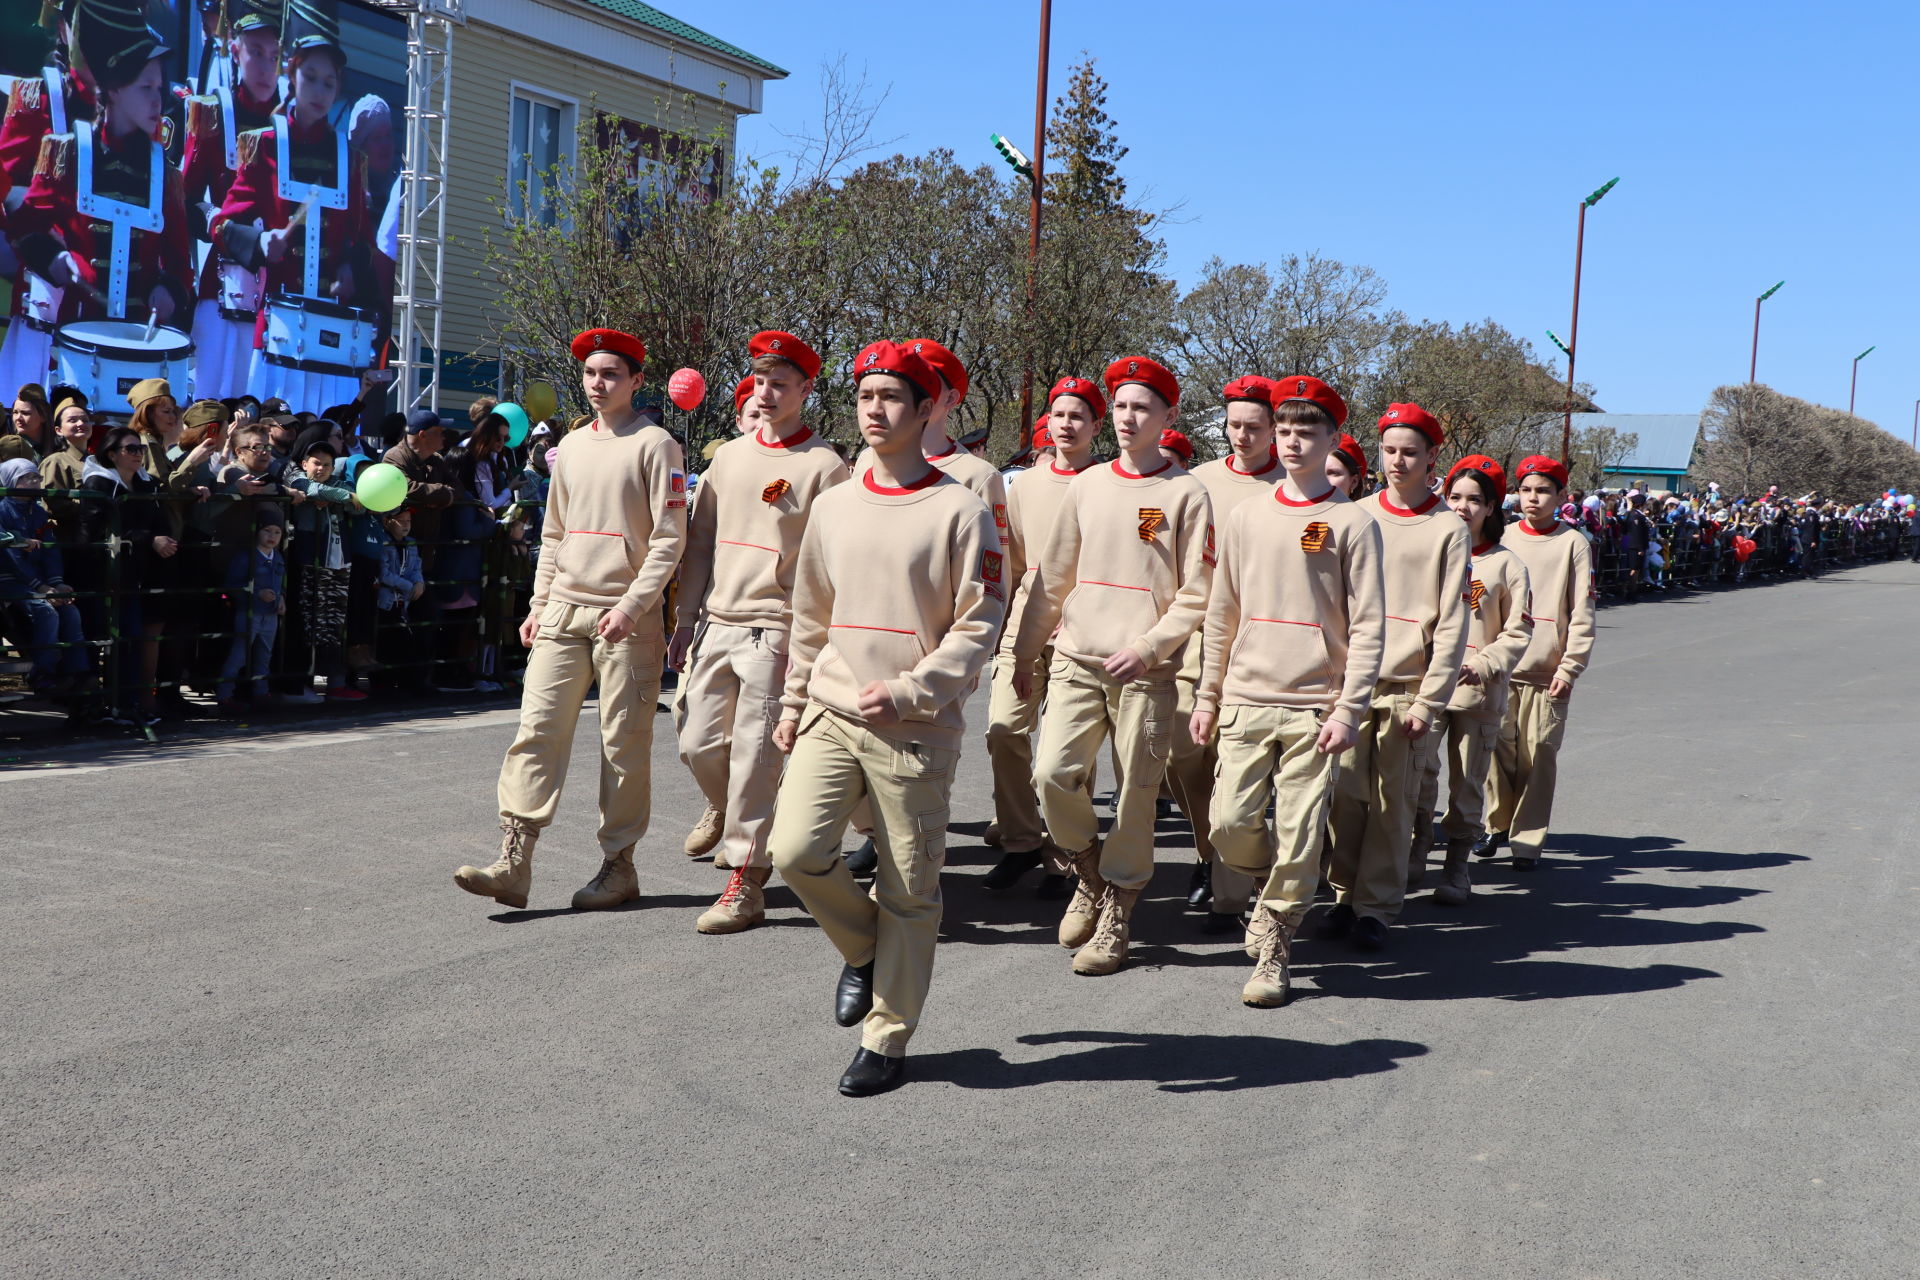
(1177, 1063)
(778, 899)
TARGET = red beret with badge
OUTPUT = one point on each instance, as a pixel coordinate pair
(892, 358)
(1253, 388)
(1178, 442)
(1412, 415)
(594, 341)
(1148, 373)
(1540, 464)
(944, 363)
(1350, 452)
(742, 392)
(1298, 386)
(1083, 389)
(773, 342)
(1042, 433)
(1482, 464)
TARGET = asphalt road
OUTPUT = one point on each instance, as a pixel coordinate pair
(252, 1029)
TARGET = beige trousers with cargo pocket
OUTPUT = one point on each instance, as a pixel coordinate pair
(1085, 707)
(1268, 756)
(837, 762)
(729, 704)
(1526, 766)
(1373, 798)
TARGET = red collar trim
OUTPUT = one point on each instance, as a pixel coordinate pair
(1063, 471)
(927, 481)
(1386, 504)
(1527, 528)
(1484, 547)
(1120, 469)
(947, 452)
(1233, 465)
(1280, 496)
(793, 441)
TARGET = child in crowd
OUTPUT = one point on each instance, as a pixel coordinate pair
(320, 511)
(402, 581)
(32, 579)
(257, 580)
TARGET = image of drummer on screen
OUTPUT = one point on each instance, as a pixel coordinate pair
(298, 209)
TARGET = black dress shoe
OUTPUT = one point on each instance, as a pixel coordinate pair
(1525, 864)
(1489, 844)
(872, 1073)
(1053, 886)
(1336, 923)
(1200, 888)
(863, 860)
(1007, 872)
(1370, 934)
(1217, 922)
(853, 997)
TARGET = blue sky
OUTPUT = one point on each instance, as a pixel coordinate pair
(1448, 145)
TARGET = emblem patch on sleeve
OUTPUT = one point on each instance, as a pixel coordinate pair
(1209, 554)
(1000, 514)
(1152, 520)
(775, 491)
(990, 574)
(1315, 537)
(677, 482)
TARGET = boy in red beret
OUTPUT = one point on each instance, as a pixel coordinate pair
(1075, 407)
(1424, 554)
(615, 526)
(1123, 582)
(1250, 469)
(735, 609)
(898, 599)
(1560, 575)
(1292, 651)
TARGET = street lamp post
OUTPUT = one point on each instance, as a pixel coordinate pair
(1916, 425)
(1573, 333)
(1855, 386)
(1753, 365)
(1034, 171)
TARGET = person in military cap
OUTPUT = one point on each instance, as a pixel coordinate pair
(228, 296)
(297, 208)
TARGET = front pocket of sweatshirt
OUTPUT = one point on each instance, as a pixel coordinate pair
(1281, 657)
(1101, 618)
(595, 563)
(871, 653)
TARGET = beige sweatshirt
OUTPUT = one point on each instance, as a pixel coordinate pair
(1032, 507)
(1227, 487)
(1127, 567)
(975, 473)
(1560, 578)
(1424, 558)
(616, 520)
(1498, 628)
(903, 586)
(1298, 610)
(747, 522)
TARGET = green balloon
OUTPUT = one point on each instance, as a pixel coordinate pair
(517, 425)
(381, 487)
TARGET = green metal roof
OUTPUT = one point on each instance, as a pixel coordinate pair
(648, 16)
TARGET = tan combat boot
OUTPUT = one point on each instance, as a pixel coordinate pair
(705, 834)
(1083, 912)
(1259, 925)
(615, 884)
(1456, 882)
(1107, 952)
(511, 874)
(742, 906)
(1268, 987)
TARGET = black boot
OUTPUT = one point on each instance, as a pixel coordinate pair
(1053, 886)
(1007, 872)
(1370, 934)
(1336, 923)
(863, 860)
(1489, 844)
(872, 1073)
(1200, 888)
(853, 997)
(1222, 922)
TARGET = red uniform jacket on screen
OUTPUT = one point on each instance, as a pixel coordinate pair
(215, 124)
(30, 118)
(345, 234)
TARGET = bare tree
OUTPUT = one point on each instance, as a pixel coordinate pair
(826, 149)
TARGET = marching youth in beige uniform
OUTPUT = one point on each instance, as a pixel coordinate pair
(898, 600)
(736, 585)
(616, 523)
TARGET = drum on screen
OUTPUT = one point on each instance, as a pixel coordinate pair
(314, 335)
(104, 358)
(240, 291)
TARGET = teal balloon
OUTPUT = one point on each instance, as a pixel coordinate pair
(518, 427)
(381, 487)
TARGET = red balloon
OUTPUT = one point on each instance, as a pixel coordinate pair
(1742, 548)
(686, 388)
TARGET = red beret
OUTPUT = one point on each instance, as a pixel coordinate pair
(1178, 442)
(1084, 389)
(743, 392)
(1352, 454)
(1148, 373)
(1540, 464)
(621, 344)
(1412, 415)
(891, 357)
(1297, 386)
(1252, 388)
(772, 342)
(1481, 463)
(944, 363)
(1042, 433)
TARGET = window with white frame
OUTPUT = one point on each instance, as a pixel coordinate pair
(540, 148)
